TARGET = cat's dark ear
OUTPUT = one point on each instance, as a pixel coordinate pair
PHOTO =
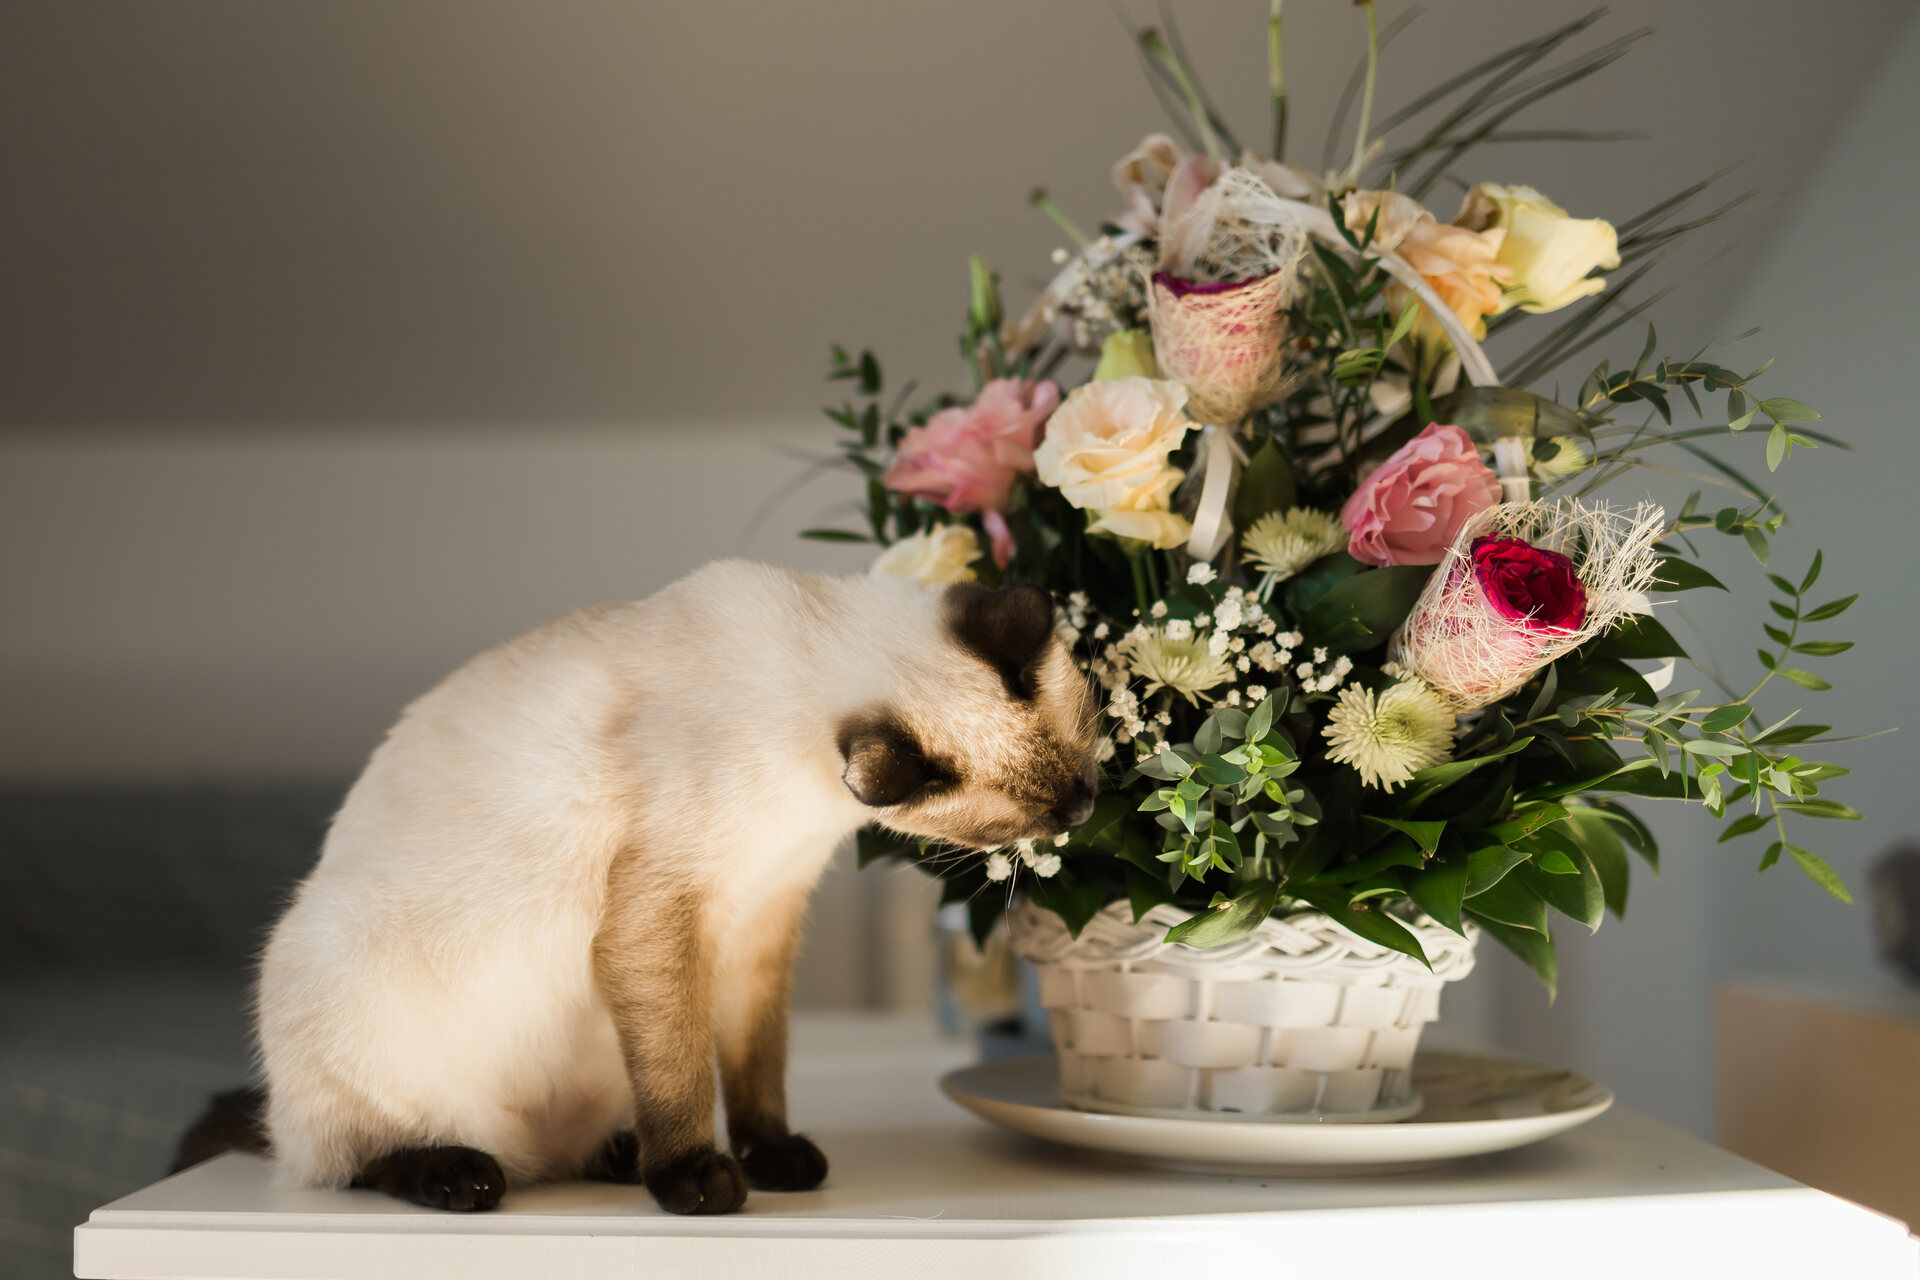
(884, 763)
(1006, 629)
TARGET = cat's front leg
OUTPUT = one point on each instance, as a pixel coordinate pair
(751, 1024)
(654, 962)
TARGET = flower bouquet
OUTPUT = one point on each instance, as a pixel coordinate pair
(1379, 668)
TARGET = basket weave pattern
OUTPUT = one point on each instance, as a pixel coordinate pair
(1299, 1020)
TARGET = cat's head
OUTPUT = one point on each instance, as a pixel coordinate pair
(992, 738)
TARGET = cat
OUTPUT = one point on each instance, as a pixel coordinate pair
(573, 875)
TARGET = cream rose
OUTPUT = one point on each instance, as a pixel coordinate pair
(1107, 450)
(938, 556)
(1549, 253)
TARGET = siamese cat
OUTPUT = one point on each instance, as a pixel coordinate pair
(572, 878)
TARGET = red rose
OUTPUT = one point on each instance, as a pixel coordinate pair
(1526, 584)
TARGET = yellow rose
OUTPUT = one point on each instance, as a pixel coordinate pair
(1107, 451)
(938, 556)
(1549, 253)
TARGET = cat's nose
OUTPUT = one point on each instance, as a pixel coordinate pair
(1073, 808)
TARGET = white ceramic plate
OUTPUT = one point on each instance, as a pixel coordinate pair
(1474, 1105)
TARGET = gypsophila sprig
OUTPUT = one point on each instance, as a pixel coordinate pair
(1473, 653)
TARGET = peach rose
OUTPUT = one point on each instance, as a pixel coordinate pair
(1461, 264)
(1408, 511)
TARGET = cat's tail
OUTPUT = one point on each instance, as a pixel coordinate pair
(234, 1121)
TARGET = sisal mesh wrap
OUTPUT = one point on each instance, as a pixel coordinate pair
(1458, 643)
(1222, 338)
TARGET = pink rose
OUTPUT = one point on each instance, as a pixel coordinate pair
(1408, 511)
(967, 459)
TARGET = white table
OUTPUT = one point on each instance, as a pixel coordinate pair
(919, 1188)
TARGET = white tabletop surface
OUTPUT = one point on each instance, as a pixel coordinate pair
(919, 1188)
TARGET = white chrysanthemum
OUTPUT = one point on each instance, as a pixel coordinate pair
(1284, 543)
(1390, 736)
(1185, 665)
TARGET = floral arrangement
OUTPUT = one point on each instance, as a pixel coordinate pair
(1366, 640)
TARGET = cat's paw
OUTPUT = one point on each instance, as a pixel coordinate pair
(698, 1182)
(460, 1179)
(791, 1163)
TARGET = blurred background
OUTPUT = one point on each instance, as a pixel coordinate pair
(339, 341)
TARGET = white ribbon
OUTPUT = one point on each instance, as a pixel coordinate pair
(1512, 456)
(1211, 526)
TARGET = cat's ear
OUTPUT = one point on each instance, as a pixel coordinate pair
(884, 764)
(1006, 629)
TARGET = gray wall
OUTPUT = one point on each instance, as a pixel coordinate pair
(338, 341)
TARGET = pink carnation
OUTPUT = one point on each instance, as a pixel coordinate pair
(1408, 511)
(967, 459)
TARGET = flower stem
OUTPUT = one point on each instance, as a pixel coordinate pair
(1140, 598)
(1044, 203)
(1366, 95)
(1156, 44)
(1277, 84)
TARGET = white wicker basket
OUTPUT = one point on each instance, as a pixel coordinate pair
(1298, 1021)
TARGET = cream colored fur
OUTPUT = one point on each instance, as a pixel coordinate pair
(434, 980)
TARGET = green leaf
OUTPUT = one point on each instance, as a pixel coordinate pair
(1397, 852)
(1805, 679)
(834, 535)
(1677, 574)
(1781, 409)
(1822, 648)
(1591, 830)
(1217, 772)
(1820, 873)
(1831, 609)
(1234, 918)
(1642, 636)
(1815, 807)
(1580, 895)
(1486, 867)
(1454, 770)
(1266, 485)
(1373, 925)
(1210, 738)
(1424, 834)
(1534, 948)
(1744, 825)
(1711, 749)
(1511, 901)
(1757, 543)
(1813, 573)
(1792, 734)
(1261, 721)
(1440, 890)
(1144, 891)
(1721, 719)
(1771, 856)
(1364, 610)
(1776, 447)
(1074, 900)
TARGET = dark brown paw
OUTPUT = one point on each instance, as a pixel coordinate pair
(791, 1163)
(698, 1182)
(457, 1178)
(618, 1161)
